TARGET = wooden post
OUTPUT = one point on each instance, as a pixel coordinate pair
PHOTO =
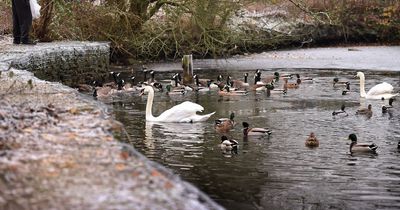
(187, 65)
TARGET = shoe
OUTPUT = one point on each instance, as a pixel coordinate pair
(29, 42)
(16, 42)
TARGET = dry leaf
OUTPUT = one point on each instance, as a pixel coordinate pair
(124, 155)
(74, 111)
(120, 166)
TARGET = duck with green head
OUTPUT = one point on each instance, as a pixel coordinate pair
(361, 147)
(224, 125)
(247, 131)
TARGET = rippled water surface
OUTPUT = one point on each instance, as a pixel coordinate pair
(279, 171)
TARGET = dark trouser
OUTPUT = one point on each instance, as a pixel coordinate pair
(22, 20)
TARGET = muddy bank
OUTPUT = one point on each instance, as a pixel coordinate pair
(58, 151)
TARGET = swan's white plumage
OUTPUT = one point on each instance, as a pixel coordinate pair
(184, 112)
(379, 91)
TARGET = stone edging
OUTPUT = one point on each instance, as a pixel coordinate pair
(57, 151)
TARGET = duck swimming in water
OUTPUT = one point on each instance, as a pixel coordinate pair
(365, 111)
(228, 145)
(361, 147)
(387, 108)
(312, 140)
(342, 112)
(224, 125)
(247, 131)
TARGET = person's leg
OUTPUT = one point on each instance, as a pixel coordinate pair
(16, 27)
(25, 19)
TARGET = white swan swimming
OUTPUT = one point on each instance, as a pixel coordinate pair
(379, 91)
(181, 113)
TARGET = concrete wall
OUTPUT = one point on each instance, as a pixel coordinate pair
(71, 63)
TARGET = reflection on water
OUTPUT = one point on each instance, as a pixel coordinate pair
(279, 171)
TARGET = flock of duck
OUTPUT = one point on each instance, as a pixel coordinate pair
(186, 112)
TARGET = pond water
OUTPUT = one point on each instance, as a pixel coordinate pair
(278, 171)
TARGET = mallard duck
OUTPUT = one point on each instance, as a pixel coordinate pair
(304, 79)
(287, 85)
(266, 80)
(365, 111)
(84, 88)
(342, 112)
(347, 89)
(226, 91)
(247, 131)
(175, 91)
(337, 83)
(312, 140)
(224, 125)
(104, 92)
(228, 145)
(387, 108)
(361, 147)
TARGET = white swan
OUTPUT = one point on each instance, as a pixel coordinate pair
(182, 113)
(379, 91)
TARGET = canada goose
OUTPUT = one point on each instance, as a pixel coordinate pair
(201, 82)
(224, 125)
(342, 112)
(152, 77)
(130, 87)
(247, 131)
(312, 140)
(176, 82)
(387, 108)
(114, 83)
(241, 84)
(218, 84)
(361, 147)
(228, 145)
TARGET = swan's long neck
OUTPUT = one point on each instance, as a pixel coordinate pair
(149, 105)
(362, 86)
